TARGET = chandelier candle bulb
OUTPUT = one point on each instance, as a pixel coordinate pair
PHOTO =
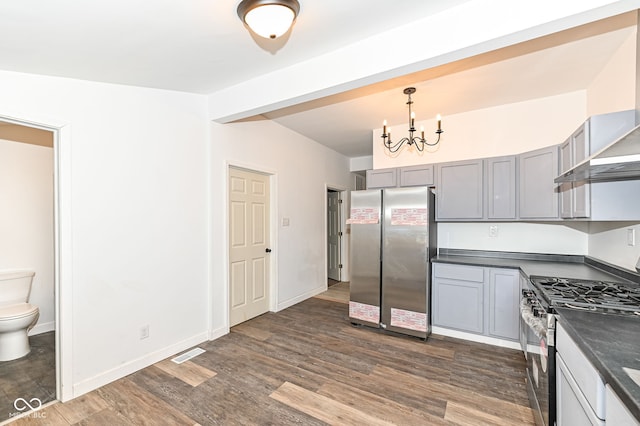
(439, 118)
(413, 119)
(422, 131)
(384, 127)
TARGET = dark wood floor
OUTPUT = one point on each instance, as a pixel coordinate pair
(308, 365)
(32, 376)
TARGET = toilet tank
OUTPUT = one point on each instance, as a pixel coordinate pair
(15, 286)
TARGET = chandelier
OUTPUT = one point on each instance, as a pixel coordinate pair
(419, 142)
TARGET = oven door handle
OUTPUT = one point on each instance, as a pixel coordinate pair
(537, 324)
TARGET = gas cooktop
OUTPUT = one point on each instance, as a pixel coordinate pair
(602, 296)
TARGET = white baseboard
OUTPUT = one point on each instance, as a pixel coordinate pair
(42, 328)
(301, 298)
(121, 371)
(475, 337)
(219, 332)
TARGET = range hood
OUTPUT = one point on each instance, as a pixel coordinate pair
(619, 160)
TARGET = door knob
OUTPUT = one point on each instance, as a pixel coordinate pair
(268, 250)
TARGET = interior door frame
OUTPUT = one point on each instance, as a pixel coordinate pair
(273, 234)
(62, 249)
(343, 241)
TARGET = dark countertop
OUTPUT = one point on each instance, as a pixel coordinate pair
(547, 265)
(610, 342)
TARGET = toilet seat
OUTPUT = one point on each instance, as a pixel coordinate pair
(19, 310)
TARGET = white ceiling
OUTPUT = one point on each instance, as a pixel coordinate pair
(201, 46)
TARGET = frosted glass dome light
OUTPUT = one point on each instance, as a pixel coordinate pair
(269, 18)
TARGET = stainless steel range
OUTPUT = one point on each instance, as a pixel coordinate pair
(538, 308)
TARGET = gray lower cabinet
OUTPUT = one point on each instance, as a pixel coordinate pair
(460, 190)
(538, 194)
(476, 299)
(504, 303)
(458, 297)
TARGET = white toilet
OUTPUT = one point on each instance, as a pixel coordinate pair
(17, 316)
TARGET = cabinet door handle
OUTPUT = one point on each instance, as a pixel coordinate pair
(267, 250)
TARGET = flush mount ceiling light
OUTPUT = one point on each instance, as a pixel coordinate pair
(419, 142)
(268, 18)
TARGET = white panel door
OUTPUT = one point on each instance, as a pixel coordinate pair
(248, 245)
(333, 237)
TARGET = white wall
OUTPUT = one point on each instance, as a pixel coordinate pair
(302, 170)
(558, 238)
(26, 221)
(134, 213)
(614, 90)
(357, 164)
(608, 242)
(502, 130)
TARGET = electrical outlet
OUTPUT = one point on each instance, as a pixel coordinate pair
(493, 230)
(631, 237)
(144, 332)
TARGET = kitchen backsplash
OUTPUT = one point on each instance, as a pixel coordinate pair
(607, 241)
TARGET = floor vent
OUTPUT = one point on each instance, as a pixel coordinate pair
(188, 355)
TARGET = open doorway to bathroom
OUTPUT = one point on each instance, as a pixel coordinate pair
(27, 241)
(334, 236)
(337, 286)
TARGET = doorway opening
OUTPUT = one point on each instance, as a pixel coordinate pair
(334, 237)
(27, 224)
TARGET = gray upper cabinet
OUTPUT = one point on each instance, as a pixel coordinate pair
(522, 187)
(575, 201)
(421, 175)
(565, 188)
(382, 178)
(598, 200)
(501, 181)
(416, 175)
(460, 190)
(538, 196)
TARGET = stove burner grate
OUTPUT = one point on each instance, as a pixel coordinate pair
(585, 294)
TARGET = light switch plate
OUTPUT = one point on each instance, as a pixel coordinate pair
(631, 237)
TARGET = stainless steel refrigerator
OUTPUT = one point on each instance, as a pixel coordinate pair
(393, 237)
